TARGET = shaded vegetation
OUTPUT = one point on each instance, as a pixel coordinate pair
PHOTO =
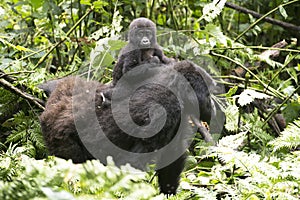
(257, 155)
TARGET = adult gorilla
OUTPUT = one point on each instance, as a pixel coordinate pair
(146, 120)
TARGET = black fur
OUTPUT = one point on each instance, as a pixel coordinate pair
(67, 122)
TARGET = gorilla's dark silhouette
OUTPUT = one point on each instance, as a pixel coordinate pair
(77, 124)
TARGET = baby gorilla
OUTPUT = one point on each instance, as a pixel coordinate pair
(142, 48)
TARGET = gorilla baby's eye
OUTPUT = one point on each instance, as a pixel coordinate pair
(140, 34)
(149, 34)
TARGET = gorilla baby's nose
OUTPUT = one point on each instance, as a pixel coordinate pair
(145, 41)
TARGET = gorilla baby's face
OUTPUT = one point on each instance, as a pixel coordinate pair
(142, 33)
(144, 37)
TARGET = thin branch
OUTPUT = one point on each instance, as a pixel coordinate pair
(234, 77)
(267, 19)
(63, 39)
(17, 72)
(270, 53)
(34, 53)
(263, 17)
(256, 47)
(7, 85)
(6, 76)
(272, 90)
(275, 110)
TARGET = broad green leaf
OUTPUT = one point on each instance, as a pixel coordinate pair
(217, 33)
(116, 44)
(102, 59)
(36, 3)
(291, 111)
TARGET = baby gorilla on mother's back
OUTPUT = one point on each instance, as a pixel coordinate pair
(142, 48)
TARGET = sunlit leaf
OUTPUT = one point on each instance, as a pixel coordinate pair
(86, 2)
(232, 91)
(37, 3)
(117, 44)
(232, 115)
(283, 12)
(248, 96)
(100, 4)
(212, 10)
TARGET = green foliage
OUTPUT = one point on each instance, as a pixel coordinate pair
(22, 177)
(241, 175)
(212, 10)
(26, 131)
(250, 123)
(42, 40)
(248, 96)
(289, 138)
(232, 118)
(291, 111)
(102, 58)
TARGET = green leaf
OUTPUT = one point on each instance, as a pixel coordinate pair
(291, 111)
(212, 10)
(232, 116)
(116, 44)
(100, 4)
(283, 12)
(217, 33)
(86, 2)
(102, 59)
(36, 3)
(232, 91)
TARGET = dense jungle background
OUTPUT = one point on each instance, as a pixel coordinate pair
(251, 48)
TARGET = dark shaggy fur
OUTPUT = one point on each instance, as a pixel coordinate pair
(68, 121)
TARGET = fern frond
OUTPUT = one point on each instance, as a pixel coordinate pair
(26, 132)
(289, 138)
(16, 136)
(36, 136)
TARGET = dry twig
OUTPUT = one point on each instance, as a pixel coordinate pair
(8, 86)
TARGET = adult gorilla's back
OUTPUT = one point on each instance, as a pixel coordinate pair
(79, 123)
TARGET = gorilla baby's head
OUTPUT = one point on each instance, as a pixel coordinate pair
(142, 33)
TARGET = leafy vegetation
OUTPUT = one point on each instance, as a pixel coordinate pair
(256, 60)
(23, 177)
